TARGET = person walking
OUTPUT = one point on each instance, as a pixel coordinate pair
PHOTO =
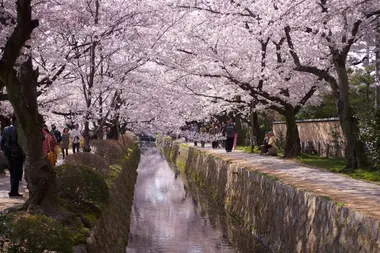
(49, 145)
(203, 132)
(65, 142)
(75, 138)
(194, 134)
(58, 137)
(15, 156)
(213, 132)
(229, 133)
(265, 148)
(56, 133)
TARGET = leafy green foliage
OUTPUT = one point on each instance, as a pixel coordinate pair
(247, 149)
(111, 151)
(35, 234)
(82, 187)
(91, 160)
(370, 135)
(362, 97)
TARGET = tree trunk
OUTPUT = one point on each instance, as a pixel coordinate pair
(378, 66)
(354, 152)
(100, 133)
(39, 174)
(86, 137)
(292, 144)
(256, 128)
(240, 131)
(114, 130)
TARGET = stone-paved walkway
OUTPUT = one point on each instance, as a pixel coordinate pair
(355, 194)
(5, 186)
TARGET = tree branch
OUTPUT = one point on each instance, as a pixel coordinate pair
(21, 33)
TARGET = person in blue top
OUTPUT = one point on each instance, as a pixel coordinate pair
(15, 156)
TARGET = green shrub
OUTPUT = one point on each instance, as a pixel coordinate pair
(111, 151)
(82, 188)
(35, 234)
(370, 135)
(91, 160)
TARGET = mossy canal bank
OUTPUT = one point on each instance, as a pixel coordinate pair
(95, 193)
(287, 218)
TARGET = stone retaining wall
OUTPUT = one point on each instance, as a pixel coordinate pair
(286, 219)
(112, 229)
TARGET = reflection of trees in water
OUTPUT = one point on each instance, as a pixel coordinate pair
(186, 220)
(232, 230)
(145, 244)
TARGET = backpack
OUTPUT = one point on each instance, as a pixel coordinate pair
(230, 131)
(57, 135)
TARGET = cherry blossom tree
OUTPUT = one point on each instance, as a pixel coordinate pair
(20, 79)
(320, 36)
(257, 68)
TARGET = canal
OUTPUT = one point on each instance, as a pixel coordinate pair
(171, 214)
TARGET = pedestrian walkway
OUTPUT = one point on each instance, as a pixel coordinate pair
(5, 186)
(356, 194)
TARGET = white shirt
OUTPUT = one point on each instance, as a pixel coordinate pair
(75, 133)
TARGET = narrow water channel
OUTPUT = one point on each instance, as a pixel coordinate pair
(172, 215)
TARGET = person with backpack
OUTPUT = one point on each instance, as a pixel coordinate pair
(15, 156)
(56, 133)
(229, 133)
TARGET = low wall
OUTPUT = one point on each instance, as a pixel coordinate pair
(318, 131)
(284, 218)
(111, 231)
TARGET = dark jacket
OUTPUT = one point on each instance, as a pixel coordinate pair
(57, 135)
(229, 131)
(9, 142)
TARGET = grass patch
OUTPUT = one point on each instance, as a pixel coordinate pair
(330, 164)
(337, 165)
(247, 149)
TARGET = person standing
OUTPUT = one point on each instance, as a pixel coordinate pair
(65, 142)
(75, 138)
(229, 132)
(15, 156)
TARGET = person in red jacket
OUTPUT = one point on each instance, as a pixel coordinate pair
(49, 144)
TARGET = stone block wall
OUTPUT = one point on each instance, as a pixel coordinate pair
(286, 219)
(112, 229)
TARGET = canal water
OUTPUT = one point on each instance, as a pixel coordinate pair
(172, 215)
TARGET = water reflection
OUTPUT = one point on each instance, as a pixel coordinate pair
(171, 214)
